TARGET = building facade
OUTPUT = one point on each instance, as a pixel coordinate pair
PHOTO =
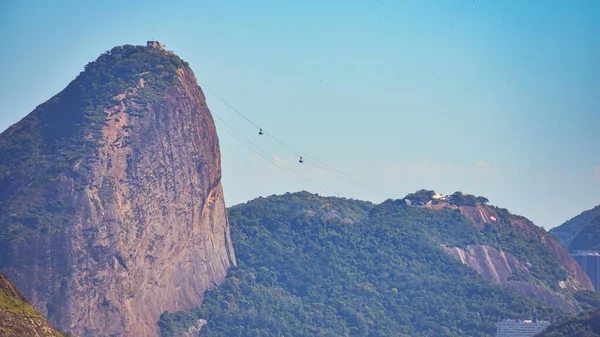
(590, 263)
(519, 328)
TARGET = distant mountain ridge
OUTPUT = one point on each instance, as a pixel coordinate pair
(324, 266)
(581, 232)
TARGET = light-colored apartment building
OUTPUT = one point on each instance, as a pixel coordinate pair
(520, 328)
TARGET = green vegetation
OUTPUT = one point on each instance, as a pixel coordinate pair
(462, 199)
(16, 306)
(420, 196)
(584, 325)
(312, 266)
(545, 270)
(589, 236)
(589, 300)
(65, 132)
(569, 232)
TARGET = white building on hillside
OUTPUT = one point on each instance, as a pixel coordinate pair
(438, 196)
(518, 328)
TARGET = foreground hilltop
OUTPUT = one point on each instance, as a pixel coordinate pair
(418, 266)
(17, 317)
(111, 204)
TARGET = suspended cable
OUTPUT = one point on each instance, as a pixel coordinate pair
(253, 147)
(326, 167)
(231, 107)
(297, 152)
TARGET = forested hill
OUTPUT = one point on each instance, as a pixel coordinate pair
(314, 266)
(581, 232)
(584, 325)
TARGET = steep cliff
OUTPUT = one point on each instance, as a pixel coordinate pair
(111, 204)
(17, 317)
(520, 256)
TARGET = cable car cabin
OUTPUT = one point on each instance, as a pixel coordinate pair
(260, 132)
(301, 160)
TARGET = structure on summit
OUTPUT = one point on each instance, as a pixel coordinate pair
(156, 45)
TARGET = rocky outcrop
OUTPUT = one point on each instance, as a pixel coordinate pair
(17, 317)
(146, 231)
(505, 269)
(496, 266)
(194, 331)
(541, 294)
(501, 268)
(480, 215)
(577, 278)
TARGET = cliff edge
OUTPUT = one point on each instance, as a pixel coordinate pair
(111, 204)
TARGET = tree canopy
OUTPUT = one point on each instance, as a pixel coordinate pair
(312, 266)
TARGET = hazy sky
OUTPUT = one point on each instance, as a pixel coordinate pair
(493, 98)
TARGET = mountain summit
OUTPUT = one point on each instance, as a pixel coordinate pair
(111, 205)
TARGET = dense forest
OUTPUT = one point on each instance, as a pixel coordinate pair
(589, 237)
(584, 325)
(581, 232)
(314, 266)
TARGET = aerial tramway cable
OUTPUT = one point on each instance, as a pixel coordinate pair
(326, 167)
(263, 154)
(319, 164)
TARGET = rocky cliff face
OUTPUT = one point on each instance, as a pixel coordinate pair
(503, 268)
(518, 273)
(17, 317)
(137, 222)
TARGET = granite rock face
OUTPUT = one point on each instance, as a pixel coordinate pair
(503, 268)
(145, 228)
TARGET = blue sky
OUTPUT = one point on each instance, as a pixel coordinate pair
(494, 98)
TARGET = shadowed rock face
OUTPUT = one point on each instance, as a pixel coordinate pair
(17, 317)
(147, 230)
